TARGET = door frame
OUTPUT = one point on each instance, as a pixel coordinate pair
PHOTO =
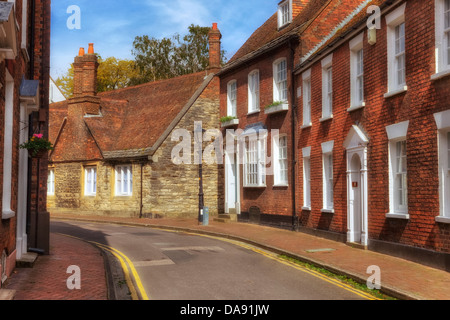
(356, 144)
(228, 168)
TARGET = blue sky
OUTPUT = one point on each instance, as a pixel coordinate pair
(112, 25)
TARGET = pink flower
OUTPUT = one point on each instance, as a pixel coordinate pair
(39, 136)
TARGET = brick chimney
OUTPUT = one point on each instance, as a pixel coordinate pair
(85, 73)
(214, 37)
(85, 100)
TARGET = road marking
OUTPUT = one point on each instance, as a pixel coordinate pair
(136, 277)
(126, 263)
(192, 249)
(275, 257)
(153, 263)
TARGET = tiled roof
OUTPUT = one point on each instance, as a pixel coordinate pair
(133, 119)
(268, 35)
(358, 17)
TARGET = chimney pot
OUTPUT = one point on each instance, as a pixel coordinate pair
(81, 52)
(214, 26)
(91, 48)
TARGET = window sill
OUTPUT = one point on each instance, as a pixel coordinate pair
(255, 186)
(7, 214)
(253, 112)
(306, 208)
(230, 123)
(327, 210)
(278, 108)
(326, 118)
(123, 195)
(395, 215)
(356, 107)
(281, 185)
(442, 219)
(395, 92)
(440, 75)
(305, 126)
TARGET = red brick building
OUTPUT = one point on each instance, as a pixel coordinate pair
(372, 122)
(24, 83)
(376, 166)
(258, 100)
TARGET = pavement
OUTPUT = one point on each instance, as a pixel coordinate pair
(47, 280)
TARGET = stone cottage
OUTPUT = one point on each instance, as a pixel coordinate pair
(114, 150)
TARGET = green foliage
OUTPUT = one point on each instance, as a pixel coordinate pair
(36, 144)
(227, 118)
(171, 57)
(273, 104)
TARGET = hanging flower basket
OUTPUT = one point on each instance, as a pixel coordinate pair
(37, 146)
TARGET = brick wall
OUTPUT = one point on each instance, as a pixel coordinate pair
(35, 68)
(271, 200)
(423, 98)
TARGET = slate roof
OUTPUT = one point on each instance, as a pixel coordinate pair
(135, 120)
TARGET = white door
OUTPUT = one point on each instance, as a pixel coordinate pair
(231, 184)
(355, 198)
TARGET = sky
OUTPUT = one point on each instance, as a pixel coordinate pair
(112, 25)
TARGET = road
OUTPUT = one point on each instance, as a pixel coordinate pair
(164, 265)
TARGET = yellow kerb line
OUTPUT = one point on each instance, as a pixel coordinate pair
(136, 277)
(296, 266)
(123, 262)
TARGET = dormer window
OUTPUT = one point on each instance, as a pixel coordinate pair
(284, 13)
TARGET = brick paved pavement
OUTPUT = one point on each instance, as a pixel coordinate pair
(47, 280)
(399, 277)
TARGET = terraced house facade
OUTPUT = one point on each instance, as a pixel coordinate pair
(367, 96)
(24, 83)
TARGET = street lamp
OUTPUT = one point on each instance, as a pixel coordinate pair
(198, 130)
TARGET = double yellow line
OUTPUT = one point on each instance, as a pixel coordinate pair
(132, 278)
(314, 273)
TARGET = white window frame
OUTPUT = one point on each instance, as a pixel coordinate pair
(395, 52)
(120, 189)
(306, 152)
(328, 176)
(306, 77)
(280, 160)
(443, 125)
(397, 137)
(284, 13)
(280, 80)
(7, 212)
(90, 181)
(255, 161)
(232, 98)
(357, 72)
(442, 34)
(327, 88)
(51, 182)
(253, 91)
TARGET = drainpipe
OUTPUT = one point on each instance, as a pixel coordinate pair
(141, 204)
(293, 134)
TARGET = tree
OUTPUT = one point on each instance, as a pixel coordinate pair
(115, 74)
(167, 58)
(112, 74)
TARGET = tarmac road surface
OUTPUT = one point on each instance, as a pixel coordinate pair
(163, 265)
